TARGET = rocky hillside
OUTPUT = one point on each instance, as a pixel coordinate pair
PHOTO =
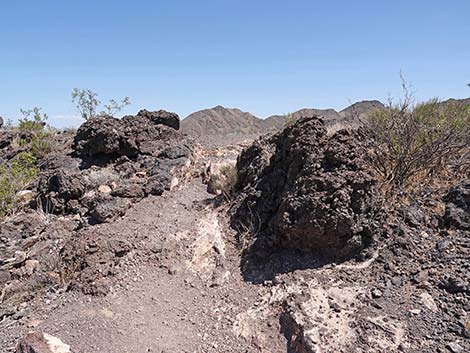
(220, 121)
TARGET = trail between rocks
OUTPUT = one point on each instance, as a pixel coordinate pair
(185, 296)
(180, 289)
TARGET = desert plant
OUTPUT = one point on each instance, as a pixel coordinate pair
(230, 177)
(224, 181)
(33, 120)
(42, 144)
(8, 123)
(114, 107)
(415, 139)
(37, 135)
(87, 103)
(289, 119)
(15, 176)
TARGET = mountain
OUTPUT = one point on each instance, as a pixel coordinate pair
(360, 110)
(465, 101)
(219, 121)
(277, 121)
(352, 113)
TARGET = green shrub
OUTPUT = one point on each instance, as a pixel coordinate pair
(36, 138)
(87, 104)
(15, 176)
(41, 144)
(32, 120)
(417, 139)
(39, 136)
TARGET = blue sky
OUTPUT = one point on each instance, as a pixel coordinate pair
(265, 57)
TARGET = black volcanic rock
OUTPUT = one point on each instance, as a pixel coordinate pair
(146, 133)
(457, 212)
(161, 117)
(303, 190)
(115, 162)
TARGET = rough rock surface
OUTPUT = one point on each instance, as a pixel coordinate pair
(457, 212)
(161, 117)
(55, 244)
(38, 342)
(305, 191)
(114, 163)
(147, 133)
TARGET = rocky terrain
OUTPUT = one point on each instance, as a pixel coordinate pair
(123, 244)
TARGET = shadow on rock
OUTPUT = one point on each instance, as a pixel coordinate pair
(304, 199)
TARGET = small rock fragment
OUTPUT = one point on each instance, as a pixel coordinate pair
(38, 342)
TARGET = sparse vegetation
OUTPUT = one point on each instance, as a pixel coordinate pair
(34, 138)
(290, 119)
(33, 120)
(224, 181)
(35, 133)
(88, 104)
(15, 176)
(418, 139)
(229, 173)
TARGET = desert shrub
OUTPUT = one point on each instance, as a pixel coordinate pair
(87, 103)
(223, 182)
(15, 176)
(417, 139)
(33, 120)
(39, 136)
(42, 144)
(289, 119)
(229, 172)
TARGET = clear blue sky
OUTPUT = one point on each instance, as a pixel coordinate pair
(265, 57)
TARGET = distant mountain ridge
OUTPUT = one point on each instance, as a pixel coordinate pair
(219, 121)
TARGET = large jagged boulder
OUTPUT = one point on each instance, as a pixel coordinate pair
(146, 133)
(115, 161)
(306, 191)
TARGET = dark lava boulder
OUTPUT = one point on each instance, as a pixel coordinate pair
(457, 212)
(146, 133)
(303, 190)
(1, 122)
(99, 136)
(113, 163)
(161, 117)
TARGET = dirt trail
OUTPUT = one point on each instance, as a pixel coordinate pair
(180, 290)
